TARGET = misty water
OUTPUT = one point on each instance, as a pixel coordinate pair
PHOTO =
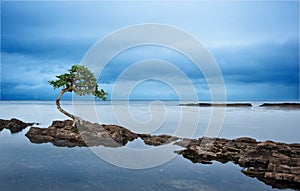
(28, 166)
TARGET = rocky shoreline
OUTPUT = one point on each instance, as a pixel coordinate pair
(276, 164)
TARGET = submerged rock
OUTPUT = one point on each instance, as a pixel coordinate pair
(14, 125)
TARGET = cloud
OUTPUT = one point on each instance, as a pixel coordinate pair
(254, 43)
(25, 73)
(47, 48)
(27, 69)
(26, 77)
(278, 63)
(262, 91)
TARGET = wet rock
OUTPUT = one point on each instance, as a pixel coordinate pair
(276, 164)
(157, 140)
(1, 125)
(14, 125)
(63, 134)
(61, 124)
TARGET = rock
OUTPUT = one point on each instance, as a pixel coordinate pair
(14, 125)
(295, 170)
(61, 124)
(267, 145)
(61, 133)
(120, 134)
(232, 149)
(245, 140)
(56, 136)
(276, 164)
(2, 126)
(157, 140)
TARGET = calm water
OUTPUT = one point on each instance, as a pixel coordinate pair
(27, 166)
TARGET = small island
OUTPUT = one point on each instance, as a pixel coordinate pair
(281, 105)
(218, 104)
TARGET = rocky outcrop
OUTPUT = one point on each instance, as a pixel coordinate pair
(281, 105)
(218, 104)
(63, 134)
(14, 125)
(276, 164)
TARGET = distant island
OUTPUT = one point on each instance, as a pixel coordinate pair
(218, 104)
(266, 105)
(281, 105)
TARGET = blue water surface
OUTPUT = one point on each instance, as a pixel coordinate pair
(28, 166)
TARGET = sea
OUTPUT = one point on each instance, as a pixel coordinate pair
(136, 166)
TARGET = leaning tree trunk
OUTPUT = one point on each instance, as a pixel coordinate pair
(58, 102)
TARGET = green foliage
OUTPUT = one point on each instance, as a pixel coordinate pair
(79, 80)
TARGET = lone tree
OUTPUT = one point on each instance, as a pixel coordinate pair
(79, 80)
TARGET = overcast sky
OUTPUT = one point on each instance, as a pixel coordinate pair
(255, 44)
